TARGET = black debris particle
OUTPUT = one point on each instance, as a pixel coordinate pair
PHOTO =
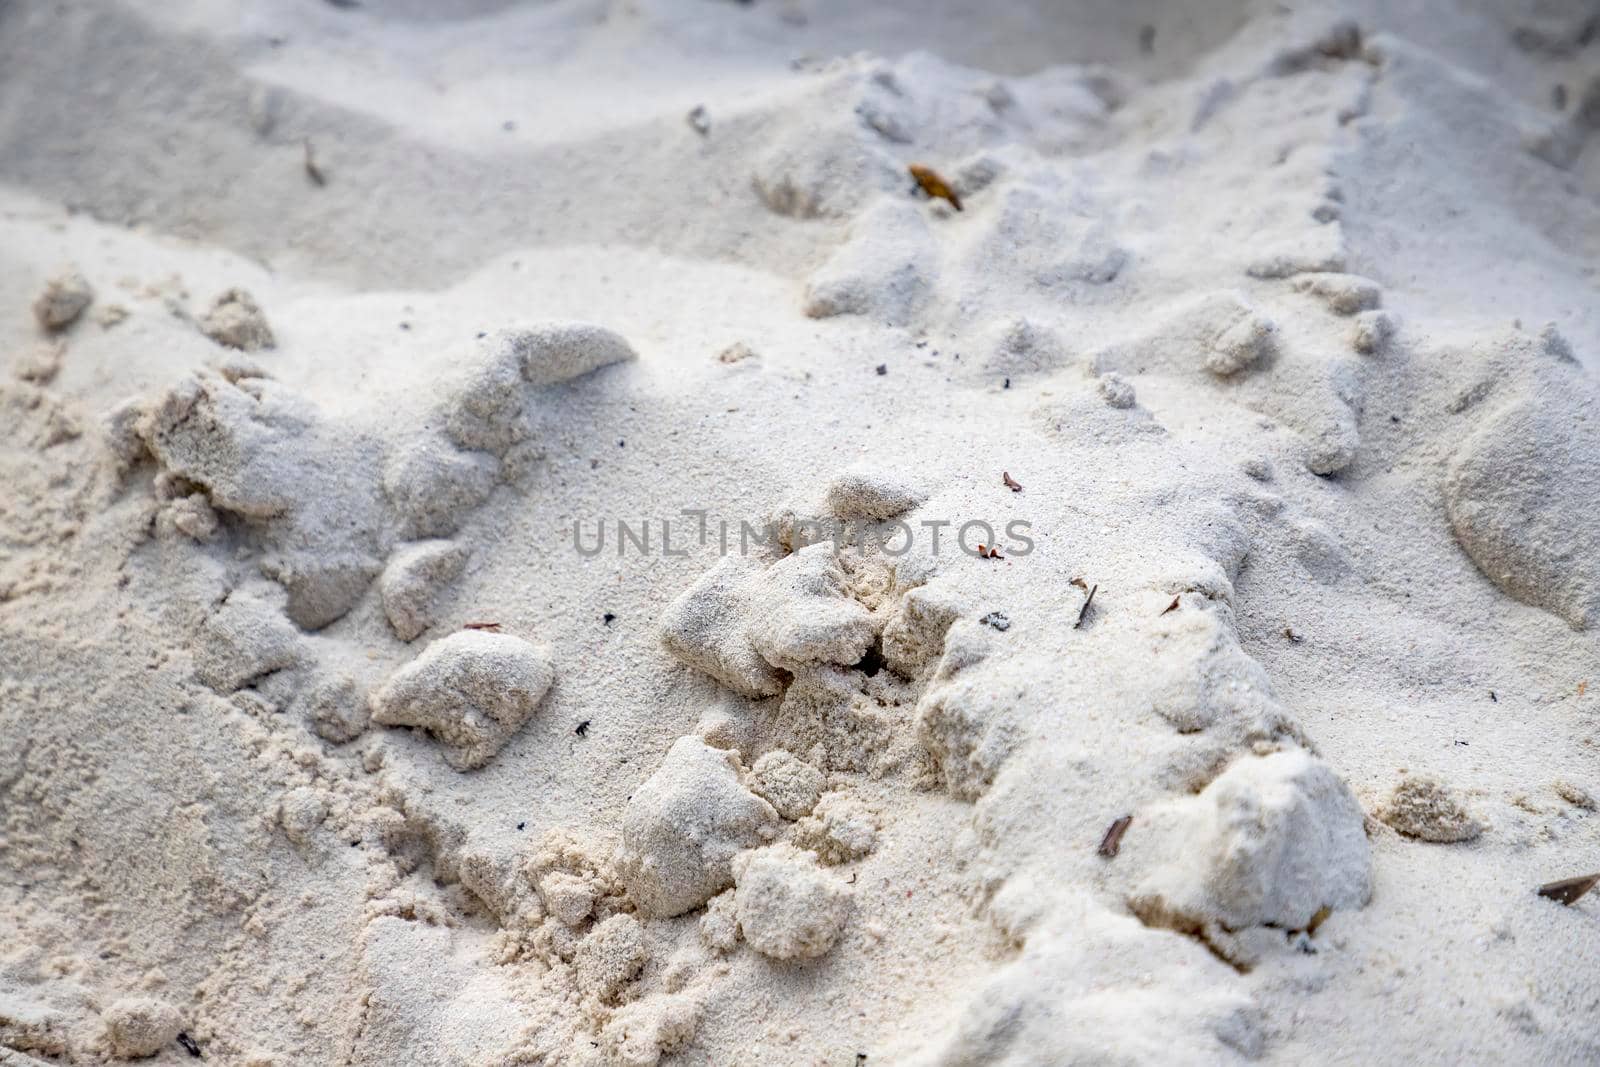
(997, 619)
(188, 1044)
(313, 171)
(871, 661)
(882, 368)
(583, 728)
(608, 618)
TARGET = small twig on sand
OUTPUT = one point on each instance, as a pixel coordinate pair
(1084, 611)
(1111, 843)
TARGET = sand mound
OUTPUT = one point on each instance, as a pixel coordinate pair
(797, 533)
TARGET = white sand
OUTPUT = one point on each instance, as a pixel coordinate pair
(322, 741)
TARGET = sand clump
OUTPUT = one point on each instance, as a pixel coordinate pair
(787, 782)
(137, 1027)
(1575, 795)
(235, 320)
(432, 486)
(610, 956)
(864, 493)
(303, 487)
(1344, 294)
(702, 627)
(412, 581)
(334, 707)
(472, 691)
(65, 298)
(683, 827)
(1371, 331)
(751, 625)
(246, 638)
(489, 407)
(787, 906)
(719, 923)
(803, 615)
(1518, 490)
(1424, 807)
(839, 829)
(1272, 842)
(641, 1033)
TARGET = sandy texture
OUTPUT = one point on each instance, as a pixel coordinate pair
(530, 535)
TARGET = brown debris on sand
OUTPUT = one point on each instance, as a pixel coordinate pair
(1569, 890)
(932, 183)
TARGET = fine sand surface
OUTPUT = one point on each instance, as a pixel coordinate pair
(491, 498)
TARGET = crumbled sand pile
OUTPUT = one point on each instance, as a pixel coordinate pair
(674, 531)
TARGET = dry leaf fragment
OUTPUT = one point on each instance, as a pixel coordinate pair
(934, 185)
(1171, 607)
(492, 627)
(1318, 919)
(1111, 843)
(1569, 890)
(1010, 482)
